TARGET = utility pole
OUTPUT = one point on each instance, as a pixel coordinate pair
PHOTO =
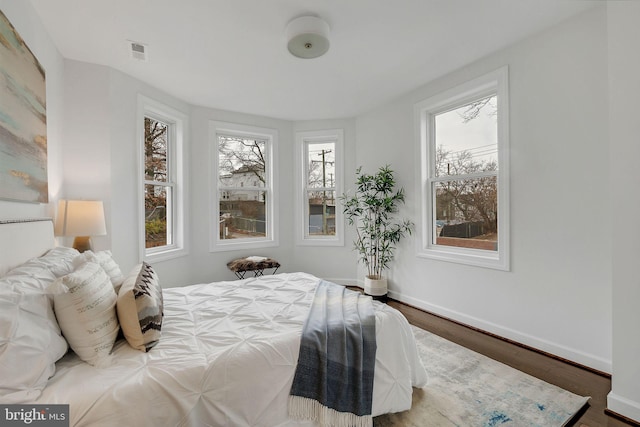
(324, 162)
(324, 193)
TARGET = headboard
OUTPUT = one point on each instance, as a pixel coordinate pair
(23, 239)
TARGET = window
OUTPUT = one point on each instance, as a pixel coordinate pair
(162, 134)
(464, 154)
(319, 219)
(243, 201)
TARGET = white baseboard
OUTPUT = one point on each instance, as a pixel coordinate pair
(622, 406)
(559, 350)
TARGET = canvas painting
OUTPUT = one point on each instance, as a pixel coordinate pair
(23, 120)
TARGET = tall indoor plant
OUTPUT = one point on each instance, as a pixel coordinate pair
(371, 210)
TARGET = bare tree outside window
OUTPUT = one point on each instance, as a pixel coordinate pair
(242, 182)
(155, 150)
(466, 169)
(157, 190)
(241, 154)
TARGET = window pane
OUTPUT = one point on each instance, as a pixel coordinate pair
(155, 150)
(241, 162)
(466, 212)
(242, 214)
(321, 165)
(467, 139)
(322, 213)
(157, 199)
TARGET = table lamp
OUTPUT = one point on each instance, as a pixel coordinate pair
(81, 219)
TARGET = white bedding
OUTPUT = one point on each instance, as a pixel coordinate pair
(227, 357)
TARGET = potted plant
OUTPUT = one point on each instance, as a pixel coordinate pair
(371, 210)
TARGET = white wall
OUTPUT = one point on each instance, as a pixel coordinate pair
(557, 296)
(101, 154)
(124, 204)
(28, 24)
(87, 139)
(624, 128)
(100, 149)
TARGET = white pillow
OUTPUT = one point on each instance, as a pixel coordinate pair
(85, 306)
(32, 275)
(108, 264)
(59, 260)
(30, 338)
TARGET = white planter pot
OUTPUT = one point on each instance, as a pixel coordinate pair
(375, 285)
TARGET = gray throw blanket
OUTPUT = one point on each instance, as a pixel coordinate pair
(333, 383)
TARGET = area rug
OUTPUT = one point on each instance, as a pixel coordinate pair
(468, 389)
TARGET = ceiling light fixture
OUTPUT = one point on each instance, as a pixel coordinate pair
(307, 37)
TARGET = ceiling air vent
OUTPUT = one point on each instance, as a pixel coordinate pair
(138, 50)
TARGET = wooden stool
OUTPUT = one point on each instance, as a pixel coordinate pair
(256, 264)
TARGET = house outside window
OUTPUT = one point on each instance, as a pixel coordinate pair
(319, 170)
(463, 139)
(243, 201)
(162, 136)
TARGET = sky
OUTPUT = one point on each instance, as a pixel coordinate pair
(479, 136)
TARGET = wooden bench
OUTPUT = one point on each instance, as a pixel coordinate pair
(256, 264)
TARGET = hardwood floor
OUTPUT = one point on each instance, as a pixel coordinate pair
(573, 378)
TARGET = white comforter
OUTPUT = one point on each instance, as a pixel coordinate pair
(226, 358)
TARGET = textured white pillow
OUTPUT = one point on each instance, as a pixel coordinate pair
(140, 307)
(30, 339)
(108, 264)
(84, 303)
(59, 260)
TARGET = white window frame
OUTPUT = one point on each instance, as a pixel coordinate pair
(271, 136)
(495, 82)
(303, 140)
(176, 178)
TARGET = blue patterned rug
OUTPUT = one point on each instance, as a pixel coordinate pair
(468, 389)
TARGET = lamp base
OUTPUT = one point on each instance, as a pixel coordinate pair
(82, 243)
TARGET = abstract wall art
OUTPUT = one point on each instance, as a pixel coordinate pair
(23, 120)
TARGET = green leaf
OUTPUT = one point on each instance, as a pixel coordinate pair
(371, 211)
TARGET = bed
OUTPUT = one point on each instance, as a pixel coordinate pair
(226, 357)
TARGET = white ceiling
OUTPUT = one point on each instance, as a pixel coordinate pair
(231, 54)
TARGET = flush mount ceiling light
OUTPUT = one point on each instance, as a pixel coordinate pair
(307, 37)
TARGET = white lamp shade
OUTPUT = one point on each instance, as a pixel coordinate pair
(80, 218)
(307, 37)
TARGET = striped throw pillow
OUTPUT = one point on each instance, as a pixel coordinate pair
(139, 307)
(84, 303)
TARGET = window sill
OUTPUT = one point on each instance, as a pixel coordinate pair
(472, 257)
(165, 255)
(320, 242)
(241, 245)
